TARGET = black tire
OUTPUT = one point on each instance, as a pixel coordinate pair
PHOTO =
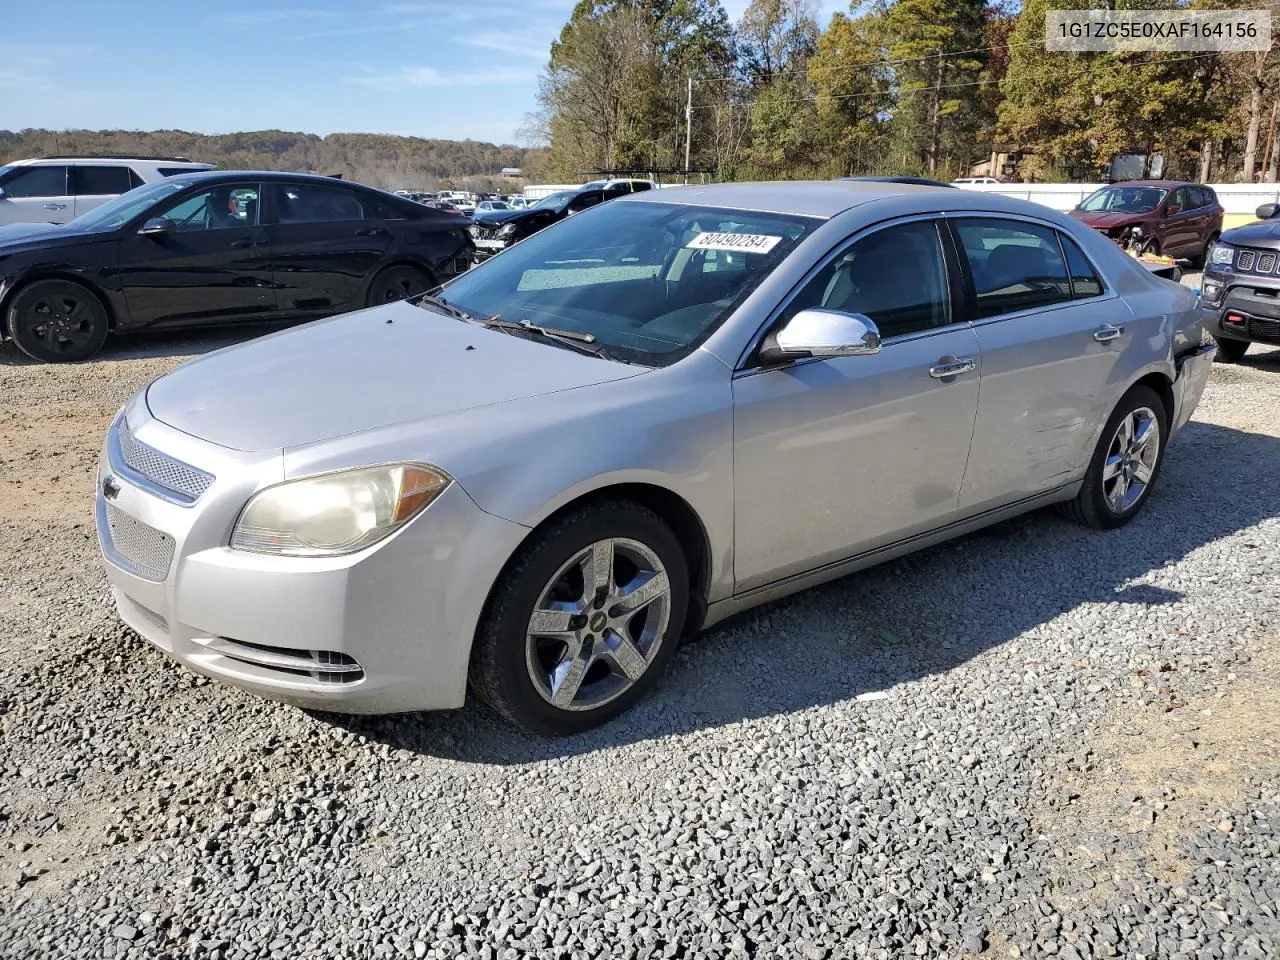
(1150, 245)
(503, 655)
(1198, 261)
(398, 282)
(1091, 506)
(57, 321)
(1230, 351)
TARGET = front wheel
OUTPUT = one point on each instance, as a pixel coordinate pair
(1125, 463)
(397, 283)
(582, 620)
(1230, 351)
(57, 321)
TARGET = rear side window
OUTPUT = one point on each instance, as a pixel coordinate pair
(134, 180)
(307, 203)
(1084, 280)
(50, 181)
(172, 171)
(97, 181)
(1015, 266)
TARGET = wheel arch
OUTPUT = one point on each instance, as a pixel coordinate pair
(67, 276)
(1163, 386)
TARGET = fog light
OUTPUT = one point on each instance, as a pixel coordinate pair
(1211, 290)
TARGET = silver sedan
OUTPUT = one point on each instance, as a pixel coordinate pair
(635, 423)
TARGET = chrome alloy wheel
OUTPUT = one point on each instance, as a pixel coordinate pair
(598, 624)
(1131, 459)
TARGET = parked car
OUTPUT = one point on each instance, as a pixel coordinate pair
(640, 421)
(1166, 217)
(619, 185)
(490, 206)
(443, 205)
(217, 248)
(494, 232)
(960, 181)
(59, 189)
(515, 202)
(1240, 287)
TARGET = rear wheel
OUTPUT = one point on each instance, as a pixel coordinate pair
(57, 321)
(397, 283)
(1230, 351)
(582, 621)
(1125, 463)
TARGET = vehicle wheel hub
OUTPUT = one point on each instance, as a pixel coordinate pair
(1131, 459)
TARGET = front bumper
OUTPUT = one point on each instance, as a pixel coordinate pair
(1255, 301)
(385, 630)
(1192, 373)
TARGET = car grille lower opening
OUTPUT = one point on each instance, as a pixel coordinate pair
(183, 480)
(1265, 329)
(322, 666)
(138, 547)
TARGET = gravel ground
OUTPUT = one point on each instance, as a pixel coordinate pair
(1037, 741)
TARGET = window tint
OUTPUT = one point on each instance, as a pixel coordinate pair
(584, 201)
(895, 276)
(1084, 281)
(1016, 266)
(221, 208)
(96, 181)
(135, 181)
(307, 203)
(37, 182)
(1210, 197)
(172, 171)
(1181, 199)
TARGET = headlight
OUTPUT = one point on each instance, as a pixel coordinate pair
(1222, 253)
(336, 513)
(506, 230)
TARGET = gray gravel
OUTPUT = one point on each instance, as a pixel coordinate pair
(1037, 741)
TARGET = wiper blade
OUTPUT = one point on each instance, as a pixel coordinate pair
(573, 339)
(440, 303)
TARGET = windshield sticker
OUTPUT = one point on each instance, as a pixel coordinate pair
(746, 242)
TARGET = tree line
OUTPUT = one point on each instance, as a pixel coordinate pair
(379, 160)
(932, 87)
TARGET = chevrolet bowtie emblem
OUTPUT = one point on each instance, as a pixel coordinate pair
(110, 489)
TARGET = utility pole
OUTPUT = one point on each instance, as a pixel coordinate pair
(688, 128)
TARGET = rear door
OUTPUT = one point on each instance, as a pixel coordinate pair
(215, 268)
(93, 185)
(36, 194)
(1050, 335)
(1181, 224)
(327, 241)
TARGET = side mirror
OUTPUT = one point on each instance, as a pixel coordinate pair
(158, 227)
(3, 194)
(817, 332)
(1264, 212)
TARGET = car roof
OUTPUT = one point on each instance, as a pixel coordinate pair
(1158, 184)
(208, 176)
(811, 198)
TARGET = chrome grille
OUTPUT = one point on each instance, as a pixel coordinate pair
(185, 481)
(1266, 263)
(138, 547)
(1245, 260)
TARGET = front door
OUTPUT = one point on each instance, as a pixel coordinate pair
(216, 266)
(1050, 335)
(838, 456)
(327, 241)
(36, 194)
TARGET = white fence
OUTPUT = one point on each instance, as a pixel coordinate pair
(1239, 199)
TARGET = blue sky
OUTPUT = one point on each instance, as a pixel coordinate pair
(431, 68)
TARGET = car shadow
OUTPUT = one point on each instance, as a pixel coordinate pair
(157, 345)
(920, 615)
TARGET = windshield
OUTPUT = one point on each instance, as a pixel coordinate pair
(650, 281)
(115, 213)
(1123, 200)
(556, 199)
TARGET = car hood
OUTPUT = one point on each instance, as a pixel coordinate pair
(1106, 221)
(391, 364)
(22, 236)
(500, 216)
(1265, 234)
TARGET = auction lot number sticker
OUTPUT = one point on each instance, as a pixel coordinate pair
(739, 242)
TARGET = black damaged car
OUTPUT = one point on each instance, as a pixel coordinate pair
(494, 232)
(218, 248)
(1240, 288)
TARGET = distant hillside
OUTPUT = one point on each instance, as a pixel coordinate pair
(377, 159)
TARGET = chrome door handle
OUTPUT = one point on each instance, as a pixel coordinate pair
(55, 206)
(1107, 332)
(949, 367)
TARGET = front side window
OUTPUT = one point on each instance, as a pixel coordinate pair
(896, 277)
(309, 203)
(650, 281)
(1015, 265)
(44, 181)
(100, 180)
(116, 213)
(1182, 200)
(224, 207)
(585, 200)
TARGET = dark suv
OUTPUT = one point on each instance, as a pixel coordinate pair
(1240, 289)
(1156, 216)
